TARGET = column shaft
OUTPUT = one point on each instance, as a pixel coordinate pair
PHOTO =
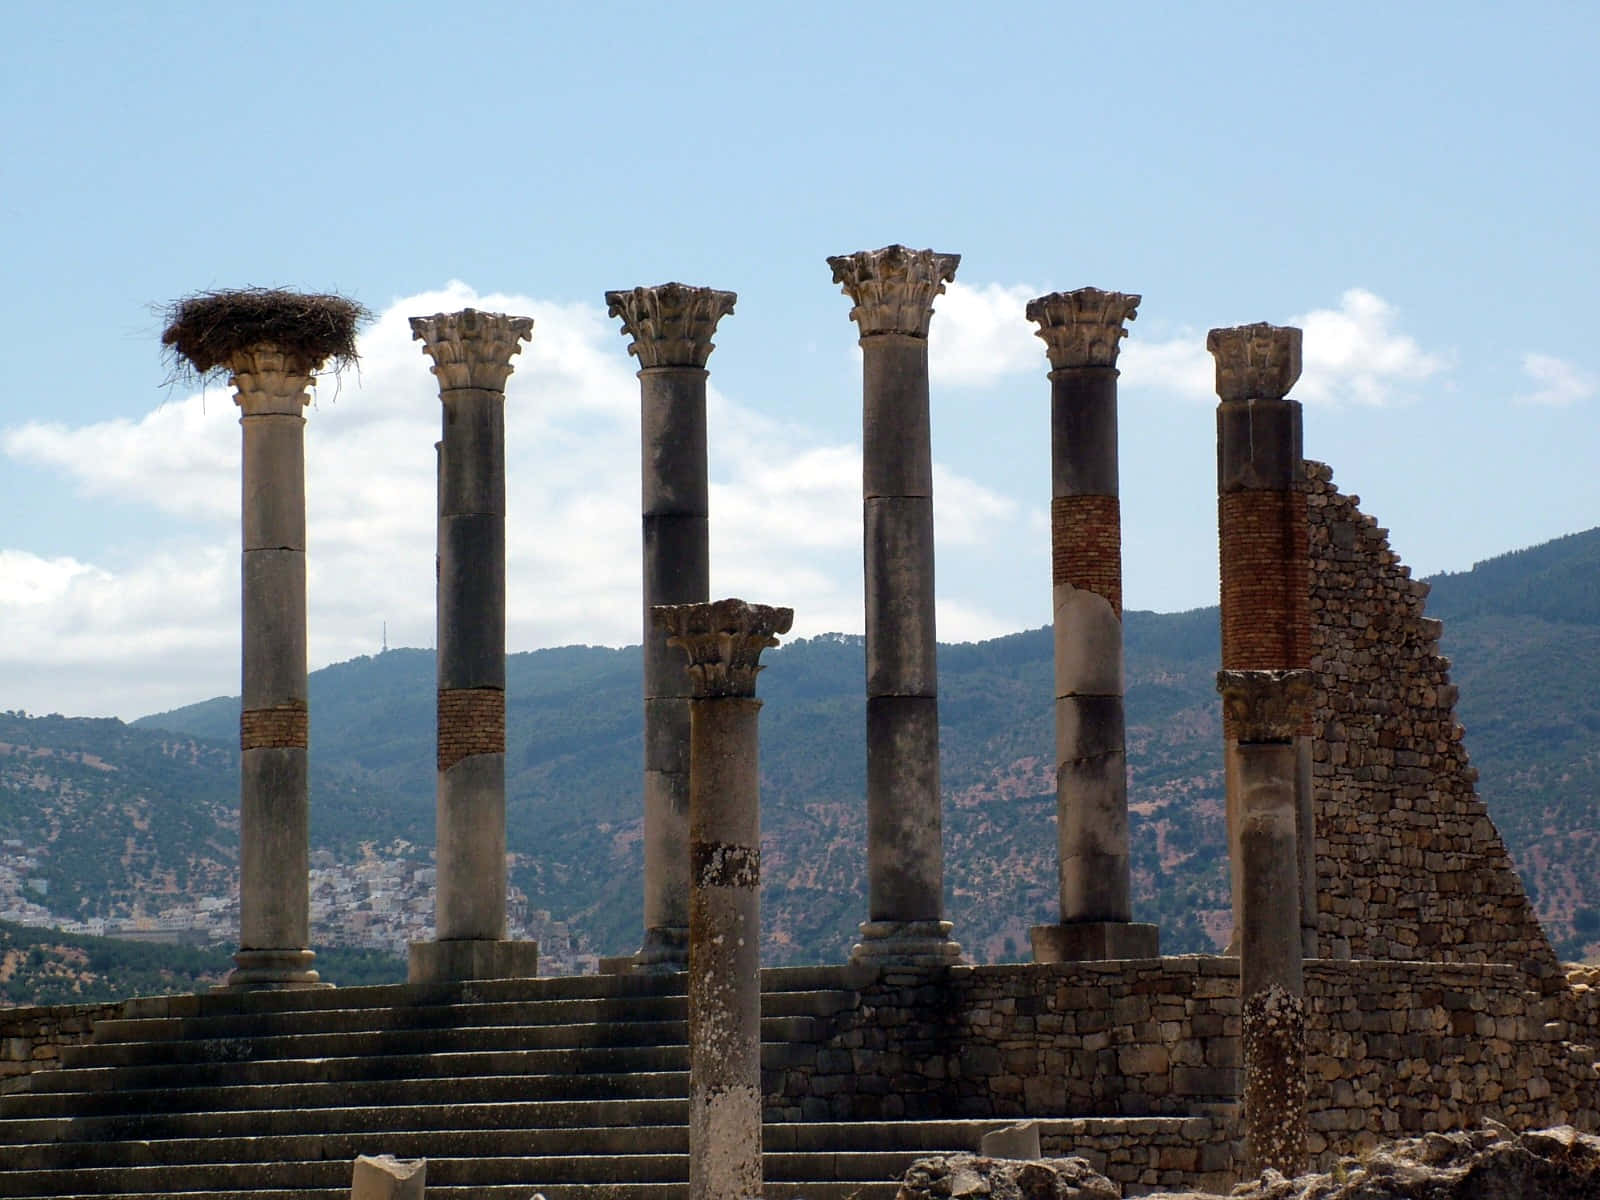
(472, 354)
(1264, 554)
(1082, 331)
(471, 899)
(723, 644)
(274, 797)
(905, 849)
(1271, 973)
(725, 952)
(676, 529)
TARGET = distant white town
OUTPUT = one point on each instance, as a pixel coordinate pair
(383, 901)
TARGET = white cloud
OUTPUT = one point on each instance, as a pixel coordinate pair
(87, 637)
(979, 334)
(1559, 382)
(1354, 353)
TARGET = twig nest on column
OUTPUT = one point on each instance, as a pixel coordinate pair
(206, 331)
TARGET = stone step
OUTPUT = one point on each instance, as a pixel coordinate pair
(775, 1190)
(633, 1138)
(132, 1124)
(559, 987)
(411, 1041)
(530, 1171)
(655, 1070)
(609, 1010)
(377, 1093)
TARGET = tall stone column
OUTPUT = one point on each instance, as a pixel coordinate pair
(1264, 538)
(671, 327)
(1083, 331)
(1266, 710)
(471, 354)
(274, 800)
(893, 291)
(723, 643)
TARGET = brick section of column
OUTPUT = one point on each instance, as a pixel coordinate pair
(1265, 554)
(471, 721)
(1086, 545)
(282, 727)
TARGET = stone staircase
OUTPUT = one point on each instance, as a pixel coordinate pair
(573, 1087)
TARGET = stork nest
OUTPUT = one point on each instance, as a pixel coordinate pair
(206, 330)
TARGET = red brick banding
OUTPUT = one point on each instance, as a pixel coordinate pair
(1265, 556)
(1086, 545)
(281, 727)
(471, 721)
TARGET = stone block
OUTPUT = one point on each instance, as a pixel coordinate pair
(385, 1177)
(472, 958)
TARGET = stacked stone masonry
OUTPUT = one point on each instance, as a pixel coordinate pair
(31, 1039)
(1409, 865)
(471, 721)
(282, 726)
(1086, 545)
(1392, 1048)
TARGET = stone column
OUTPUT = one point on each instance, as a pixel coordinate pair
(1082, 331)
(723, 643)
(893, 291)
(1264, 539)
(274, 803)
(1266, 710)
(671, 327)
(471, 354)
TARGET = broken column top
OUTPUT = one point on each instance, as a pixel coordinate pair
(471, 349)
(1266, 706)
(1083, 328)
(671, 324)
(893, 288)
(724, 640)
(1255, 362)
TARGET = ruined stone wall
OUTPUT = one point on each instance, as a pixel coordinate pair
(1409, 864)
(31, 1039)
(1393, 1047)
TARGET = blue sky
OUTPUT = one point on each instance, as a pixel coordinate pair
(1414, 183)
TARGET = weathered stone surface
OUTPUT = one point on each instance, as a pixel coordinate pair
(1014, 1141)
(1265, 706)
(723, 640)
(384, 1177)
(671, 324)
(471, 349)
(1083, 328)
(950, 1177)
(1491, 1163)
(1255, 362)
(893, 288)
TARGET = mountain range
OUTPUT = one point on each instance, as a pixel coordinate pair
(123, 814)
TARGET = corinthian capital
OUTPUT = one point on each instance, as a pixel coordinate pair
(1255, 362)
(1266, 706)
(893, 288)
(471, 349)
(671, 324)
(724, 640)
(1083, 328)
(269, 379)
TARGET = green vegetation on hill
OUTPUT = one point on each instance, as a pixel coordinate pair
(41, 966)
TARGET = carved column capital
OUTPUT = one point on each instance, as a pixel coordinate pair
(724, 640)
(1266, 706)
(471, 349)
(893, 288)
(1083, 328)
(670, 324)
(1255, 362)
(269, 379)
